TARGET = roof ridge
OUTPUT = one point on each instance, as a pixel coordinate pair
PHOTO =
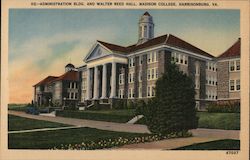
(208, 54)
(231, 46)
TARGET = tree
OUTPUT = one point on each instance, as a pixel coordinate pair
(173, 107)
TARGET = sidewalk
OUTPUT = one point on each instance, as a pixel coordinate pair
(111, 126)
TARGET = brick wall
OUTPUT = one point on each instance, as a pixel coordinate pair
(144, 76)
(223, 79)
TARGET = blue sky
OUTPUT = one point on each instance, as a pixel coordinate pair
(44, 40)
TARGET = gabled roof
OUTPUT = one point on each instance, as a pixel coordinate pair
(46, 80)
(166, 39)
(146, 14)
(114, 47)
(233, 51)
(69, 76)
(179, 43)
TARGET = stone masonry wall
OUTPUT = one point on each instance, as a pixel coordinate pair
(144, 76)
(136, 73)
(223, 80)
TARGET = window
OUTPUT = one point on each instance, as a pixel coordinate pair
(153, 91)
(133, 77)
(133, 62)
(130, 77)
(140, 59)
(238, 85)
(156, 56)
(231, 85)
(76, 95)
(231, 65)
(156, 73)
(145, 31)
(153, 74)
(181, 59)
(148, 91)
(121, 79)
(133, 92)
(149, 57)
(72, 95)
(153, 56)
(177, 58)
(172, 57)
(238, 65)
(148, 74)
(186, 60)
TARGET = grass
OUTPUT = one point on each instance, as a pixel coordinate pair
(17, 107)
(226, 144)
(119, 116)
(50, 139)
(16, 123)
(228, 121)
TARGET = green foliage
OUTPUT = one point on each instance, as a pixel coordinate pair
(120, 104)
(140, 107)
(16, 123)
(173, 108)
(228, 121)
(95, 115)
(227, 108)
(131, 104)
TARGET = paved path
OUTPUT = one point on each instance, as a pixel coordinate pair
(111, 126)
(199, 135)
(42, 129)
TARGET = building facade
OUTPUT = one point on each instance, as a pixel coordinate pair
(113, 72)
(229, 74)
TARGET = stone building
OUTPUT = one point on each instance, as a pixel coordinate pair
(229, 74)
(113, 72)
(62, 90)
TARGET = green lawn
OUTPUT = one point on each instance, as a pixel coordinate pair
(228, 121)
(50, 139)
(17, 107)
(120, 116)
(16, 123)
(226, 144)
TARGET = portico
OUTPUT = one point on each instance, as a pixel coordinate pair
(102, 80)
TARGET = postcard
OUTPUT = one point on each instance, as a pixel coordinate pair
(106, 79)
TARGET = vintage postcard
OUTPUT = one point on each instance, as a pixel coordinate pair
(105, 79)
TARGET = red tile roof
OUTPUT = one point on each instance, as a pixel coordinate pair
(233, 51)
(46, 80)
(179, 43)
(69, 76)
(170, 40)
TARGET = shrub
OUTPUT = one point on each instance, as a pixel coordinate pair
(173, 108)
(131, 105)
(226, 108)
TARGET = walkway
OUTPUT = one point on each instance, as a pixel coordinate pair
(111, 126)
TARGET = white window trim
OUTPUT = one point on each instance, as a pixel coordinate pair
(235, 85)
(235, 65)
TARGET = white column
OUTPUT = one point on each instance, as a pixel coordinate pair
(113, 81)
(104, 81)
(96, 82)
(88, 84)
